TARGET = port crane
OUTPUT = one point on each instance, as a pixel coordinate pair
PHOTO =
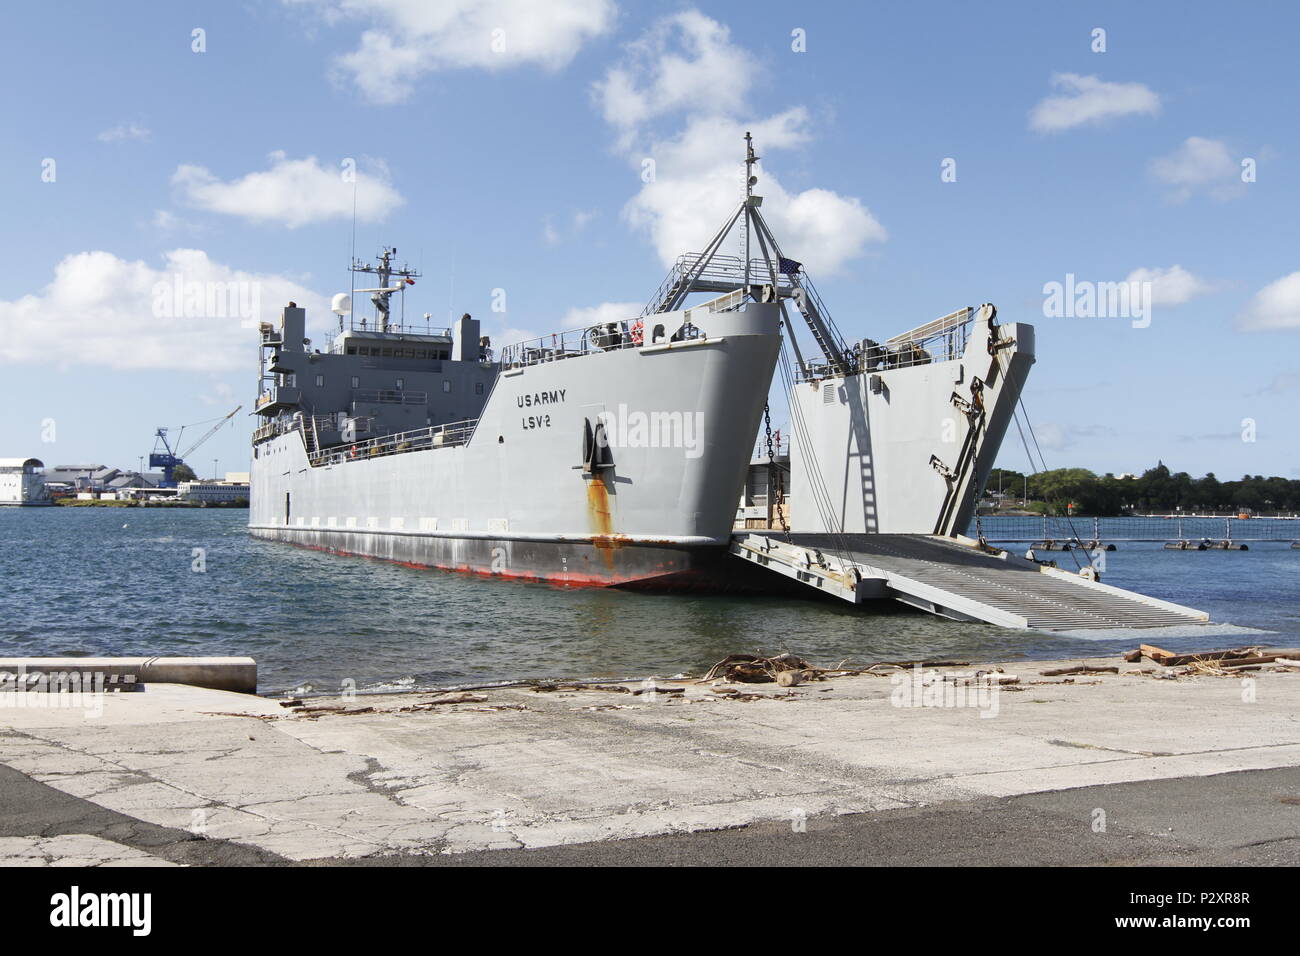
(170, 456)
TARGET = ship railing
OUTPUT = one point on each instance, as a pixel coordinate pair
(722, 273)
(575, 343)
(369, 327)
(447, 435)
(631, 333)
(941, 340)
(389, 396)
(282, 426)
(731, 269)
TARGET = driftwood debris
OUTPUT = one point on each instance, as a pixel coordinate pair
(463, 697)
(547, 687)
(1157, 654)
(339, 710)
(1079, 669)
(753, 669)
(1247, 661)
(1216, 663)
(910, 664)
(1235, 657)
(793, 677)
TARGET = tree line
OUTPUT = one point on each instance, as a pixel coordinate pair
(1155, 490)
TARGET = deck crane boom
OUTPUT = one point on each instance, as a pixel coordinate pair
(169, 458)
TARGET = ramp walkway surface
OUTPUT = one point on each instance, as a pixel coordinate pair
(954, 578)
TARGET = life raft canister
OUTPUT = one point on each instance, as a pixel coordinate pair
(638, 332)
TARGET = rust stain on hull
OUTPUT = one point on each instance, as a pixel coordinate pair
(601, 511)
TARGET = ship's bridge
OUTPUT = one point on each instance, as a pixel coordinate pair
(433, 344)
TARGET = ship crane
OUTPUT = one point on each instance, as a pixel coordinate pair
(170, 457)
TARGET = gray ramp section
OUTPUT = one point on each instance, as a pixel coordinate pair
(954, 579)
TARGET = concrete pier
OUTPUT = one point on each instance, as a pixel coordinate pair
(414, 777)
(238, 674)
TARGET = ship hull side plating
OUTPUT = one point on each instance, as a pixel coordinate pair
(515, 501)
(656, 566)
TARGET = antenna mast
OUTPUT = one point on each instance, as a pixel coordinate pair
(385, 270)
(750, 180)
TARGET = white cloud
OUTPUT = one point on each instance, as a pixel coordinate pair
(124, 131)
(1088, 99)
(1058, 437)
(698, 182)
(101, 310)
(1276, 306)
(1172, 286)
(292, 193)
(686, 64)
(414, 37)
(586, 316)
(1280, 384)
(656, 78)
(578, 221)
(1200, 164)
(550, 235)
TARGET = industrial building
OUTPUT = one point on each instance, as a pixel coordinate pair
(234, 488)
(22, 482)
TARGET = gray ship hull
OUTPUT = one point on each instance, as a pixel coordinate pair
(641, 565)
(517, 501)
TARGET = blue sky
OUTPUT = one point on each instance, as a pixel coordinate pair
(519, 167)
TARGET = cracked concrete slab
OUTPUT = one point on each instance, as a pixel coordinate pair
(529, 769)
(72, 849)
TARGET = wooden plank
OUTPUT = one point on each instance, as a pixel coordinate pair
(1157, 654)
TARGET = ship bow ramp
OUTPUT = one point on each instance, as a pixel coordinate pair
(886, 465)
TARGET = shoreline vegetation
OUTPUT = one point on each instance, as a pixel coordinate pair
(1079, 491)
(101, 503)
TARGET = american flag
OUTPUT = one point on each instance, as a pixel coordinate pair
(788, 267)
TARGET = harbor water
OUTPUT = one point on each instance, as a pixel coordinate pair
(131, 581)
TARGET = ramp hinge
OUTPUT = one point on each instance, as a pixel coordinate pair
(941, 468)
(972, 410)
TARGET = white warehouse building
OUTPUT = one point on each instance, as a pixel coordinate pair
(22, 482)
(234, 488)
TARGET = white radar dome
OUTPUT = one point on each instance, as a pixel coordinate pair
(341, 304)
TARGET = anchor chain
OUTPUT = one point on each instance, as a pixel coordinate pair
(775, 492)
